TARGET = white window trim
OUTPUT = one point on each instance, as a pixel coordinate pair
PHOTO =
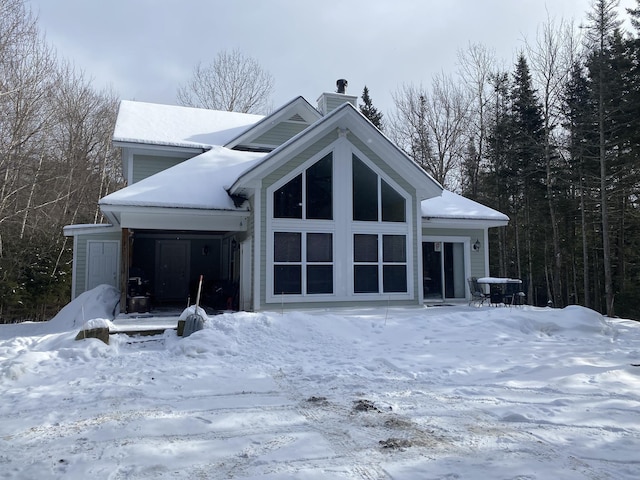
(384, 228)
(343, 229)
(297, 225)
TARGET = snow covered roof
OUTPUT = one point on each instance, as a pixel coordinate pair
(151, 123)
(451, 206)
(200, 182)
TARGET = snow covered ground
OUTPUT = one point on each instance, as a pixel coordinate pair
(416, 393)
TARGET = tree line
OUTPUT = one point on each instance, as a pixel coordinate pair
(56, 161)
(552, 141)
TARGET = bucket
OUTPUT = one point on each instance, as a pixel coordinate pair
(138, 305)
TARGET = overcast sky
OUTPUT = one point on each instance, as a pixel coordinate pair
(145, 49)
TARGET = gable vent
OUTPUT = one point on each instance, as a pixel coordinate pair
(297, 118)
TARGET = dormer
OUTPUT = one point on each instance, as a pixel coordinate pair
(329, 101)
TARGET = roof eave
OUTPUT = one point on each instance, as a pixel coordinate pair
(462, 222)
(115, 207)
(164, 146)
(91, 228)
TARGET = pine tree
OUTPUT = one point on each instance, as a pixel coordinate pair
(526, 166)
(603, 22)
(582, 149)
(369, 111)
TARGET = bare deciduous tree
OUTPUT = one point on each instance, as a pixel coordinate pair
(233, 82)
(477, 65)
(55, 158)
(431, 127)
(551, 60)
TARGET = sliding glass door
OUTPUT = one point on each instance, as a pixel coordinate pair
(443, 268)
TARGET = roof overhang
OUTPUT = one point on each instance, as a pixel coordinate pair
(161, 148)
(462, 223)
(88, 229)
(166, 218)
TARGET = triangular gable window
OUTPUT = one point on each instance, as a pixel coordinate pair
(373, 197)
(315, 186)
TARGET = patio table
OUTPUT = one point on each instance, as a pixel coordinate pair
(502, 289)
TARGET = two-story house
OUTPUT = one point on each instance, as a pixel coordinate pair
(305, 207)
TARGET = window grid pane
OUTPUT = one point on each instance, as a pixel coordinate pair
(287, 200)
(287, 247)
(287, 279)
(365, 248)
(394, 248)
(319, 279)
(365, 279)
(365, 192)
(393, 204)
(394, 278)
(319, 190)
(319, 247)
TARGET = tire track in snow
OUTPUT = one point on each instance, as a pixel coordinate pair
(356, 437)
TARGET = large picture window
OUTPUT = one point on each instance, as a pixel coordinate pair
(299, 256)
(340, 229)
(368, 269)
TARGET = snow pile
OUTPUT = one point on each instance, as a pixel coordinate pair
(101, 302)
(26, 346)
(403, 393)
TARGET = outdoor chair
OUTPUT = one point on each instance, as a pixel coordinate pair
(514, 295)
(478, 296)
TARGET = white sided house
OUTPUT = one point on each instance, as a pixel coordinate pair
(302, 208)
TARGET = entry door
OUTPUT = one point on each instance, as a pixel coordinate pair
(172, 270)
(103, 263)
(443, 270)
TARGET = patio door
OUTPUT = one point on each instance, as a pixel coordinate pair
(443, 268)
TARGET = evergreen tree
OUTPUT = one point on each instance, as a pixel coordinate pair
(603, 24)
(581, 148)
(527, 171)
(369, 111)
(494, 179)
